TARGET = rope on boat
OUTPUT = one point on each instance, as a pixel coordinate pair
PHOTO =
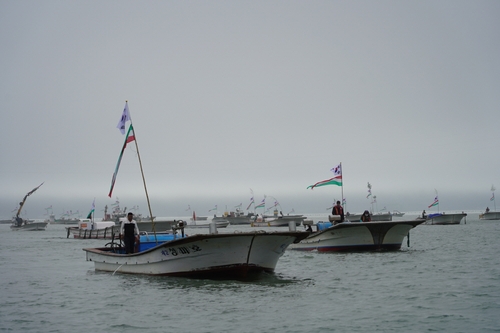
(118, 268)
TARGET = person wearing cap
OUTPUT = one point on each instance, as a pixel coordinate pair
(129, 232)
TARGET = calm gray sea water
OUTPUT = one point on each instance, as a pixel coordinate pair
(448, 280)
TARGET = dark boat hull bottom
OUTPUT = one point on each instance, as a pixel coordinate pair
(236, 272)
(354, 248)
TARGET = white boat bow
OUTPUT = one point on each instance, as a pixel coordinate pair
(357, 236)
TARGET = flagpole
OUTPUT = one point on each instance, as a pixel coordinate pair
(437, 197)
(342, 187)
(143, 178)
(493, 196)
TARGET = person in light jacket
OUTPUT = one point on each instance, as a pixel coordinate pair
(129, 232)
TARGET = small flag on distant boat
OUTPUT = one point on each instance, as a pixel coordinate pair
(129, 138)
(262, 203)
(92, 209)
(435, 203)
(251, 202)
(215, 208)
(492, 196)
(369, 190)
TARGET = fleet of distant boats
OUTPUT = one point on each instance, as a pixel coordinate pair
(164, 248)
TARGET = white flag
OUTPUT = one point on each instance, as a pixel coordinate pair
(337, 171)
(124, 119)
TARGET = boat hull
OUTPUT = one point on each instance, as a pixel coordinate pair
(218, 224)
(278, 222)
(159, 226)
(215, 255)
(30, 226)
(234, 220)
(375, 217)
(358, 236)
(490, 216)
(444, 219)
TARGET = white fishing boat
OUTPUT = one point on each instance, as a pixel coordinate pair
(118, 214)
(65, 218)
(357, 236)
(443, 218)
(195, 217)
(217, 255)
(19, 223)
(236, 217)
(88, 229)
(28, 225)
(489, 216)
(397, 213)
(280, 221)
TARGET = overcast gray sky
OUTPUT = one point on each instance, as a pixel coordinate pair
(228, 96)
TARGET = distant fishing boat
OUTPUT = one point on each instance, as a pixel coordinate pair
(236, 217)
(397, 213)
(442, 218)
(491, 215)
(19, 223)
(88, 229)
(195, 217)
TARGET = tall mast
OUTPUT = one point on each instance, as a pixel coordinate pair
(142, 173)
(342, 188)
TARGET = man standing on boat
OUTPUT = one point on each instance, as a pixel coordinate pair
(338, 210)
(129, 232)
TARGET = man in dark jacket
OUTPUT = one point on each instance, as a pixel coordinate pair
(338, 210)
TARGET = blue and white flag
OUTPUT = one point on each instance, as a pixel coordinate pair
(125, 117)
